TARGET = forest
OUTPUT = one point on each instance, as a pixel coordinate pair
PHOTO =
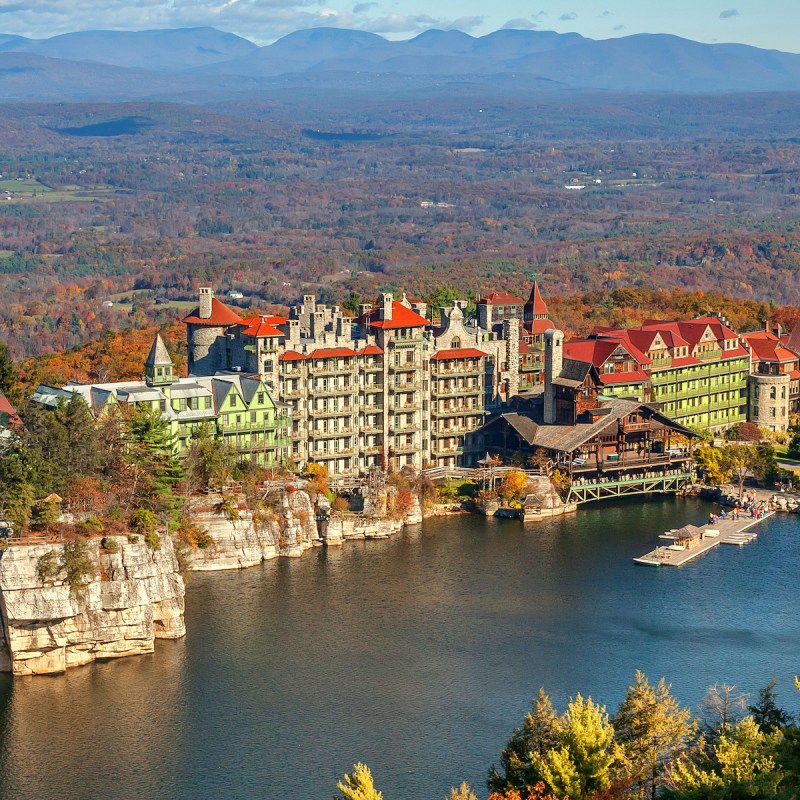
(107, 225)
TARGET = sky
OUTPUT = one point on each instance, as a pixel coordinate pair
(763, 23)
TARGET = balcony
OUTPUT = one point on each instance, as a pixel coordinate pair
(404, 448)
(465, 370)
(409, 367)
(320, 391)
(342, 370)
(371, 449)
(456, 411)
(633, 427)
(406, 386)
(300, 391)
(626, 461)
(330, 434)
(345, 411)
(458, 391)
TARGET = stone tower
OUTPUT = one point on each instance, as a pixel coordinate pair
(206, 329)
(158, 368)
(553, 360)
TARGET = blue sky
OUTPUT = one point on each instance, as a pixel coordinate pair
(764, 23)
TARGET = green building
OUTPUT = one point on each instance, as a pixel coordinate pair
(238, 408)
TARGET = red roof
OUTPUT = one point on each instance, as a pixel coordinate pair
(536, 304)
(539, 326)
(458, 352)
(637, 376)
(7, 408)
(291, 355)
(333, 352)
(768, 347)
(271, 319)
(502, 299)
(402, 317)
(597, 351)
(371, 350)
(221, 316)
(261, 326)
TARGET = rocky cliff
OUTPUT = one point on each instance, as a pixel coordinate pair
(134, 598)
(287, 529)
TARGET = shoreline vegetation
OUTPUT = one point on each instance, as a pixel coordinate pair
(651, 748)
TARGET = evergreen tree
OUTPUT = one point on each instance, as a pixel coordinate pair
(653, 730)
(358, 785)
(540, 732)
(742, 764)
(766, 712)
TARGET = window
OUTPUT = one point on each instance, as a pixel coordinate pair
(261, 398)
(233, 401)
(773, 393)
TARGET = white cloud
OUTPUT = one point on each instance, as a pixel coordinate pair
(360, 8)
(520, 23)
(728, 13)
(568, 16)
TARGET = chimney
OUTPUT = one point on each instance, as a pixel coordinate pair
(310, 303)
(294, 332)
(387, 307)
(364, 309)
(206, 296)
(553, 360)
(420, 308)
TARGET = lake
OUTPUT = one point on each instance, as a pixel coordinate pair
(418, 655)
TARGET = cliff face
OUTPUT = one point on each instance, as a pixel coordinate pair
(135, 598)
(289, 530)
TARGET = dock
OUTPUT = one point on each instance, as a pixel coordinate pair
(704, 538)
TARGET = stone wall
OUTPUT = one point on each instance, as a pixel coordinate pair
(135, 598)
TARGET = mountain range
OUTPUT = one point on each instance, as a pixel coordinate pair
(198, 62)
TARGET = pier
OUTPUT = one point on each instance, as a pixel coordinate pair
(701, 539)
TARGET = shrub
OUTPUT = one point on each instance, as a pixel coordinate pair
(91, 526)
(340, 504)
(110, 545)
(133, 539)
(48, 566)
(144, 521)
(191, 535)
(78, 566)
(152, 540)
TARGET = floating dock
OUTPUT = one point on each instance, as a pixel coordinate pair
(724, 531)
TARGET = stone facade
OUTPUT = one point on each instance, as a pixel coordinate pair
(769, 401)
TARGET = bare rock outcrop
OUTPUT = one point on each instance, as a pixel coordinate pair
(135, 597)
(288, 528)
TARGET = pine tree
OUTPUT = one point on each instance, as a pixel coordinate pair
(653, 730)
(540, 732)
(766, 712)
(8, 374)
(358, 785)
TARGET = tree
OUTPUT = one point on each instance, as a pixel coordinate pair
(742, 764)
(746, 432)
(723, 706)
(208, 460)
(512, 489)
(581, 765)
(358, 785)
(793, 450)
(739, 460)
(766, 712)
(652, 730)
(462, 793)
(540, 732)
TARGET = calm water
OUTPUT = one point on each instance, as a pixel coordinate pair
(418, 655)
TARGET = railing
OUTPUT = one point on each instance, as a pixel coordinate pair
(632, 427)
(623, 463)
(458, 391)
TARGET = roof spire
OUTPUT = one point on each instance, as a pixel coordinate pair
(158, 357)
(535, 308)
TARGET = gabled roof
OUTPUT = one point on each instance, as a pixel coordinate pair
(501, 299)
(221, 316)
(332, 352)
(536, 304)
(292, 355)
(158, 356)
(793, 340)
(458, 352)
(766, 346)
(260, 327)
(402, 317)
(371, 350)
(270, 319)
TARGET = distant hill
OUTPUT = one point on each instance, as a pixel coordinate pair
(204, 62)
(160, 50)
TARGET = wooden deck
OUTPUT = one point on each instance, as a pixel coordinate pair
(735, 532)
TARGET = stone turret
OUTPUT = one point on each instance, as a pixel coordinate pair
(553, 361)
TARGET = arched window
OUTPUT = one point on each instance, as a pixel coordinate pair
(773, 392)
(455, 343)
